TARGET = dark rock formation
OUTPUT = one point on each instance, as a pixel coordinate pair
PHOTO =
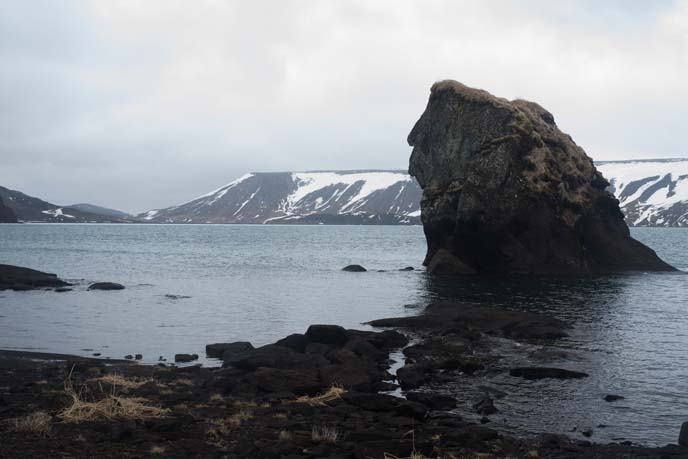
(6, 214)
(506, 192)
(683, 435)
(18, 278)
(217, 350)
(185, 357)
(106, 286)
(354, 269)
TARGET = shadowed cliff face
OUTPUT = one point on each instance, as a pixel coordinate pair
(505, 191)
(6, 214)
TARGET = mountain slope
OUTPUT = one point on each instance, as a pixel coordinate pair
(6, 214)
(336, 197)
(651, 192)
(93, 209)
(30, 209)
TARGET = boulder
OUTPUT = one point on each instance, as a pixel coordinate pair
(19, 278)
(354, 269)
(217, 350)
(433, 401)
(298, 382)
(485, 406)
(271, 356)
(296, 342)
(506, 192)
(106, 286)
(185, 357)
(332, 335)
(546, 372)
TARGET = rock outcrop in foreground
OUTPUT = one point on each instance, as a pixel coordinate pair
(506, 192)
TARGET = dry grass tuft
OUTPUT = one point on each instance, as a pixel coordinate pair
(217, 398)
(111, 406)
(38, 423)
(325, 434)
(117, 380)
(285, 436)
(157, 450)
(334, 392)
(241, 416)
(250, 404)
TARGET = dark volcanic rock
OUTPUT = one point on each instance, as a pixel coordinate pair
(185, 357)
(545, 372)
(217, 350)
(333, 335)
(433, 401)
(6, 214)
(613, 398)
(683, 436)
(505, 191)
(447, 315)
(485, 406)
(354, 269)
(299, 382)
(18, 278)
(106, 286)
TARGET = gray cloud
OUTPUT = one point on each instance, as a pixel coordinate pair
(139, 105)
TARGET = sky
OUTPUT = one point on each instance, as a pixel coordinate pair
(145, 104)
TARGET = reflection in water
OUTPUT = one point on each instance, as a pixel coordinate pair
(627, 334)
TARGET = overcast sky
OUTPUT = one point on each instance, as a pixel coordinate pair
(144, 104)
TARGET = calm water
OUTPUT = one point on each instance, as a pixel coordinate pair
(259, 283)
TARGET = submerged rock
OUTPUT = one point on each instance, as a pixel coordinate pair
(19, 278)
(613, 398)
(546, 372)
(106, 286)
(506, 192)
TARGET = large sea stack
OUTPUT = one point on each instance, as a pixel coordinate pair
(6, 214)
(506, 192)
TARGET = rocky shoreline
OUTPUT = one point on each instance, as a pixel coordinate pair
(326, 393)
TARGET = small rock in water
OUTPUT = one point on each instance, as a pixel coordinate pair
(613, 398)
(138, 356)
(408, 268)
(106, 286)
(96, 354)
(587, 433)
(354, 269)
(545, 372)
(185, 357)
(63, 289)
(485, 406)
(176, 297)
(129, 357)
(683, 436)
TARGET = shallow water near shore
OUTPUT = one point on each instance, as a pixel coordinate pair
(190, 285)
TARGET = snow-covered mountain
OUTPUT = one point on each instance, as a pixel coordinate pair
(651, 192)
(336, 197)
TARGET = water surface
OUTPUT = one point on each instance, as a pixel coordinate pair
(189, 285)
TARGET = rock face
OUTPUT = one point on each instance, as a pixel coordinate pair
(6, 214)
(506, 192)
